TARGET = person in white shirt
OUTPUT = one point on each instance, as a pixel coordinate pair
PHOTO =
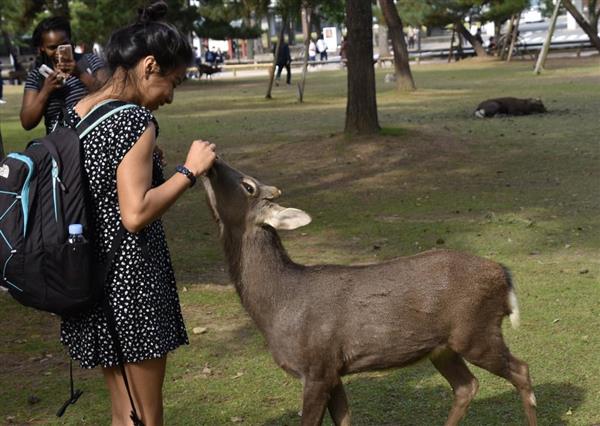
(322, 48)
(312, 51)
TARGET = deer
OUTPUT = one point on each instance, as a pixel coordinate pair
(322, 322)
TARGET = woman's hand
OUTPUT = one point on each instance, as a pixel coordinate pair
(68, 66)
(52, 82)
(200, 157)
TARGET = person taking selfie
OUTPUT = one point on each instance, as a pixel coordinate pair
(60, 77)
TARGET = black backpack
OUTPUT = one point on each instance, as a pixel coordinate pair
(42, 191)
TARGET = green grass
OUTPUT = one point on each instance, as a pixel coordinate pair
(523, 191)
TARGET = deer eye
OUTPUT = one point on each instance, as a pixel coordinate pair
(248, 188)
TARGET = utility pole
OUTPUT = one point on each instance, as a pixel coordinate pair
(544, 52)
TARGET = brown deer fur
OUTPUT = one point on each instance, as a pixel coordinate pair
(322, 322)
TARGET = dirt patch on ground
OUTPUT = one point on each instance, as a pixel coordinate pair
(334, 161)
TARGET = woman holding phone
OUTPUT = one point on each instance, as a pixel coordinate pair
(59, 78)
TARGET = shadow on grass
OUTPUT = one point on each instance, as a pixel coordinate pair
(431, 405)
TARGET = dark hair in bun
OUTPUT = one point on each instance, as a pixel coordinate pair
(149, 36)
(154, 12)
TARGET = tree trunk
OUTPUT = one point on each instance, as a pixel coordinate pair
(505, 39)
(316, 24)
(479, 50)
(270, 29)
(513, 39)
(541, 60)
(404, 78)
(306, 18)
(384, 48)
(275, 55)
(361, 107)
(250, 43)
(292, 32)
(591, 32)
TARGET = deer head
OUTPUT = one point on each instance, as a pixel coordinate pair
(239, 201)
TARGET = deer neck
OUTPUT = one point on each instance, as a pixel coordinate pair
(258, 266)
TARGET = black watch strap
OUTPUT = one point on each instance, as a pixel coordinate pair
(187, 173)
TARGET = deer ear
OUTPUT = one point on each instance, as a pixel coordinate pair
(286, 218)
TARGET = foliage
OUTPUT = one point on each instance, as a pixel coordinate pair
(230, 19)
(444, 12)
(332, 10)
(414, 13)
(547, 7)
(501, 10)
(94, 20)
(11, 19)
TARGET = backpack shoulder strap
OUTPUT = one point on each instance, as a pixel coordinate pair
(98, 114)
(88, 123)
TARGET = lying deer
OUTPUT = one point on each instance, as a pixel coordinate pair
(325, 321)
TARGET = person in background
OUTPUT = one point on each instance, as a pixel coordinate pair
(129, 195)
(312, 51)
(68, 81)
(492, 45)
(284, 59)
(220, 57)
(478, 36)
(2, 101)
(411, 38)
(322, 48)
(344, 51)
(210, 56)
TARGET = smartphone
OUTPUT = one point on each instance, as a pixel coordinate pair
(64, 52)
(45, 70)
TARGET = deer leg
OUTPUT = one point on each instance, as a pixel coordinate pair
(315, 397)
(495, 357)
(338, 406)
(464, 384)
(519, 377)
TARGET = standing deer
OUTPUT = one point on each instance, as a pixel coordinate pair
(325, 321)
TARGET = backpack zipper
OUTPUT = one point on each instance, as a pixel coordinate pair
(55, 179)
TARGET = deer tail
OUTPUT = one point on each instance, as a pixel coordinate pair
(513, 304)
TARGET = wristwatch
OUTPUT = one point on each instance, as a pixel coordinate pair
(187, 173)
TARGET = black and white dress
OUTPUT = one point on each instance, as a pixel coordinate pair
(141, 288)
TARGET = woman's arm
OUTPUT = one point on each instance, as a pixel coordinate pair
(34, 102)
(140, 204)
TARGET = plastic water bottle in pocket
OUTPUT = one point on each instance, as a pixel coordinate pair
(76, 235)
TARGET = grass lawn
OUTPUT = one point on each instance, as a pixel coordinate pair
(523, 191)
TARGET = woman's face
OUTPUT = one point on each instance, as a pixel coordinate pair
(50, 41)
(157, 89)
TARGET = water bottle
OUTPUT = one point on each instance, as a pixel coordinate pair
(76, 235)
